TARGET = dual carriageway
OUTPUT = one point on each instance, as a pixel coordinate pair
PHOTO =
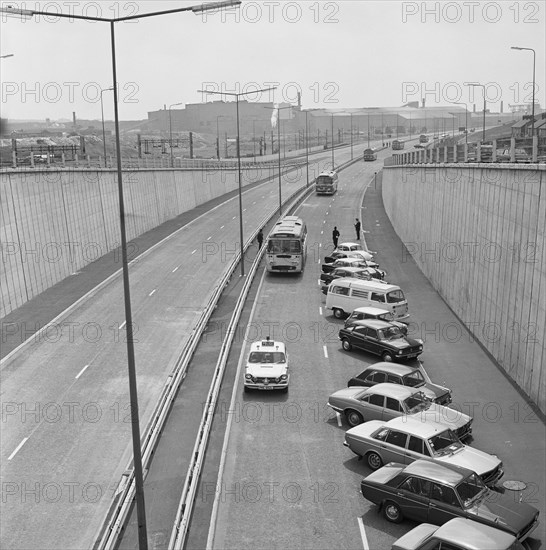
(286, 480)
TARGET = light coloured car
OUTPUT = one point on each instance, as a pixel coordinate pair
(405, 440)
(457, 534)
(267, 366)
(388, 401)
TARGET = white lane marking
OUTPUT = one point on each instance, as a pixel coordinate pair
(81, 372)
(222, 227)
(175, 269)
(194, 252)
(244, 209)
(320, 245)
(209, 238)
(320, 310)
(122, 325)
(325, 352)
(18, 448)
(338, 416)
(365, 544)
(233, 217)
(153, 292)
(322, 232)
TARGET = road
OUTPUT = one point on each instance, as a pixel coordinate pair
(65, 404)
(288, 482)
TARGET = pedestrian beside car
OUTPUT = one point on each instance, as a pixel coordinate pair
(357, 228)
(260, 238)
(335, 236)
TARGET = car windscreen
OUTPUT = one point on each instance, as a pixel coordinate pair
(470, 490)
(390, 333)
(414, 379)
(284, 246)
(267, 357)
(395, 296)
(445, 442)
(416, 402)
(324, 180)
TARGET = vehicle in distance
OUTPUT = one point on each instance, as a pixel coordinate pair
(346, 259)
(369, 155)
(427, 491)
(397, 145)
(267, 366)
(286, 246)
(405, 440)
(380, 338)
(326, 183)
(393, 373)
(520, 155)
(457, 534)
(423, 138)
(365, 273)
(354, 249)
(387, 401)
(369, 312)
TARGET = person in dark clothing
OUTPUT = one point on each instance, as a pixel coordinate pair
(260, 238)
(357, 229)
(335, 236)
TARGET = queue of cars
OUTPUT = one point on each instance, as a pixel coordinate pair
(402, 426)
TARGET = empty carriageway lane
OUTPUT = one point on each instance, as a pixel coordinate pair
(66, 415)
(285, 454)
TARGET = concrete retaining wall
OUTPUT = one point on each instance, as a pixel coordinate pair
(54, 223)
(477, 233)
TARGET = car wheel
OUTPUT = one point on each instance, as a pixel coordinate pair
(354, 418)
(338, 313)
(346, 344)
(392, 512)
(374, 461)
(387, 356)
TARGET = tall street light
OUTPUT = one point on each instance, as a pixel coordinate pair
(465, 118)
(171, 131)
(533, 106)
(333, 160)
(475, 85)
(307, 148)
(102, 116)
(236, 96)
(135, 423)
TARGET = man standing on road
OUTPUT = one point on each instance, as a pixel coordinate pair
(357, 229)
(260, 238)
(335, 236)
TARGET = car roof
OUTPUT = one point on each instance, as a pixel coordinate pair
(447, 474)
(393, 368)
(392, 390)
(416, 426)
(352, 269)
(372, 323)
(473, 535)
(349, 244)
(259, 346)
(371, 310)
(371, 285)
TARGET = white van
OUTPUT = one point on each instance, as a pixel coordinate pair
(345, 295)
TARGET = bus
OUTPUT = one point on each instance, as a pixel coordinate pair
(286, 247)
(326, 183)
(369, 155)
(397, 145)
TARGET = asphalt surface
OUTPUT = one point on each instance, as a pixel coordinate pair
(288, 482)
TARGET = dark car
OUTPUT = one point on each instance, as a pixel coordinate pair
(348, 261)
(435, 493)
(380, 338)
(403, 375)
(365, 273)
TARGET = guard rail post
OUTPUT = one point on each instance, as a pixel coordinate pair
(512, 149)
(535, 148)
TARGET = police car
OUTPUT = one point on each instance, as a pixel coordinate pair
(267, 366)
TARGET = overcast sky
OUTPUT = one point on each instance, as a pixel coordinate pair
(338, 54)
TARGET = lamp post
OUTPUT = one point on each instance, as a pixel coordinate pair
(171, 132)
(236, 96)
(533, 106)
(306, 149)
(333, 159)
(102, 116)
(465, 118)
(131, 366)
(475, 85)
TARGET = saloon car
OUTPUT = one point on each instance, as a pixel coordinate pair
(367, 273)
(267, 366)
(368, 312)
(369, 155)
(380, 338)
(404, 375)
(427, 491)
(348, 261)
(406, 440)
(388, 401)
(352, 248)
(457, 534)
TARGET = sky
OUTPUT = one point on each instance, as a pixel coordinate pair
(342, 54)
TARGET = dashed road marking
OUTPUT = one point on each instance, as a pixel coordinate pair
(325, 352)
(81, 372)
(209, 238)
(175, 269)
(122, 325)
(338, 417)
(320, 310)
(18, 448)
(153, 292)
(363, 534)
(194, 252)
